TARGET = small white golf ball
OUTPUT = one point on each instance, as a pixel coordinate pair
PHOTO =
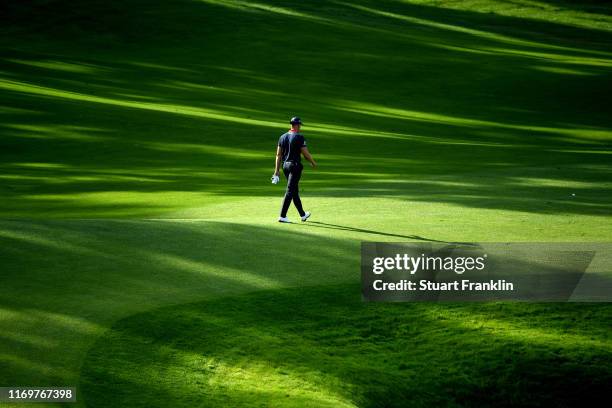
(573, 195)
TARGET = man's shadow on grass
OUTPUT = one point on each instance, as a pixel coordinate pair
(366, 231)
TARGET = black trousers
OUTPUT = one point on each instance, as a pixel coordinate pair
(293, 173)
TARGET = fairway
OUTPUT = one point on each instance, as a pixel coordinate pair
(140, 255)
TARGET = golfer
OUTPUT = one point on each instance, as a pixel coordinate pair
(291, 146)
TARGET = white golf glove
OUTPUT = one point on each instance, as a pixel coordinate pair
(275, 179)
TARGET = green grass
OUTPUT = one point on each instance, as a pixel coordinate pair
(136, 146)
(336, 351)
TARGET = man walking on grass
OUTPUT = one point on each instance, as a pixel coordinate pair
(291, 146)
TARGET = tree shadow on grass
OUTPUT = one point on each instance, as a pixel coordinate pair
(326, 342)
(169, 109)
(588, 6)
(65, 282)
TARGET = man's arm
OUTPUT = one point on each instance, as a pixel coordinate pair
(308, 157)
(279, 154)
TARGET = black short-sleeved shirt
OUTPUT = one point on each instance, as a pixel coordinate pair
(291, 143)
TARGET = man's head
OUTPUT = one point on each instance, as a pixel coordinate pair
(296, 123)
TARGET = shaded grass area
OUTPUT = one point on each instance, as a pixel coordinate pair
(65, 282)
(321, 346)
(182, 102)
